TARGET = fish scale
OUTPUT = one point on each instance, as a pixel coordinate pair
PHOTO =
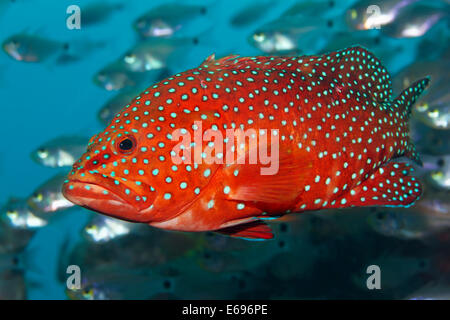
(332, 114)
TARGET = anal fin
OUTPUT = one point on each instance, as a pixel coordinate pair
(390, 185)
(255, 230)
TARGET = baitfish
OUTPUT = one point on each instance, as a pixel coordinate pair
(330, 122)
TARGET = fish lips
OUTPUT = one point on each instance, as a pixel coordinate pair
(99, 198)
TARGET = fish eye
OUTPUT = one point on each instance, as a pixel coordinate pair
(42, 153)
(141, 23)
(126, 145)
(91, 228)
(38, 196)
(380, 215)
(130, 58)
(433, 113)
(421, 107)
(437, 175)
(258, 36)
(11, 213)
(88, 293)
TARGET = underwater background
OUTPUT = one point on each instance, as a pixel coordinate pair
(50, 107)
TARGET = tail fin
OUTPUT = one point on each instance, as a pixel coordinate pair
(404, 104)
(408, 96)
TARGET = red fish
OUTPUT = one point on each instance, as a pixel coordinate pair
(336, 128)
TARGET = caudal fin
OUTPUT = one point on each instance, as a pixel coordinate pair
(408, 96)
(403, 103)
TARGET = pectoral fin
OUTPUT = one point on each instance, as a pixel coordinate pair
(255, 230)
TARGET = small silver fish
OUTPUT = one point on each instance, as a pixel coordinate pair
(60, 152)
(414, 21)
(32, 48)
(429, 216)
(103, 229)
(116, 103)
(441, 177)
(167, 19)
(48, 198)
(290, 34)
(433, 109)
(116, 76)
(18, 214)
(373, 14)
(37, 49)
(156, 53)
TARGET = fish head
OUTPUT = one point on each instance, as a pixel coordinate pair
(104, 181)
(386, 222)
(262, 40)
(14, 47)
(43, 156)
(114, 77)
(128, 171)
(272, 41)
(19, 215)
(103, 229)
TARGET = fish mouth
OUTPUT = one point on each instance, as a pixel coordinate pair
(98, 198)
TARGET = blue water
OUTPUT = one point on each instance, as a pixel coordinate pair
(42, 101)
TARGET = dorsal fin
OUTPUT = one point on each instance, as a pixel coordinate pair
(235, 62)
(358, 67)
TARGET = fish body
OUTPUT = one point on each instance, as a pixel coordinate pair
(331, 125)
(60, 152)
(290, 34)
(116, 76)
(155, 53)
(47, 198)
(104, 229)
(167, 19)
(415, 21)
(19, 215)
(434, 108)
(32, 48)
(440, 178)
(374, 14)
